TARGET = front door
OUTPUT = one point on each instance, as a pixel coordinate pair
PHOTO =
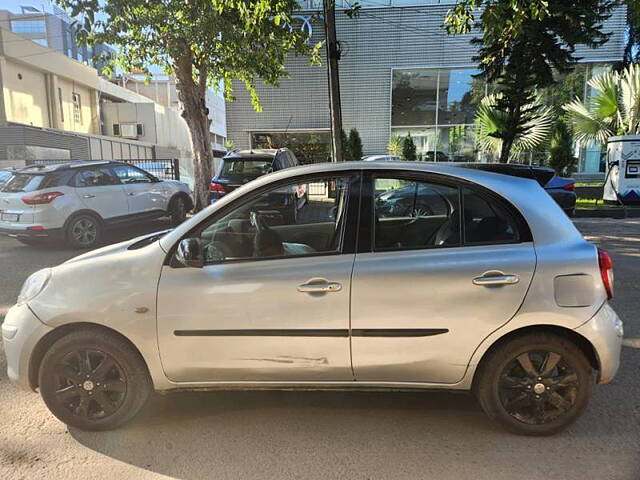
(272, 301)
(140, 189)
(448, 265)
(99, 190)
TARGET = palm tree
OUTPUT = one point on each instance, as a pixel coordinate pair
(613, 110)
(491, 122)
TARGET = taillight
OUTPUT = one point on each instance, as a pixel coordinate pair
(41, 198)
(606, 271)
(569, 187)
(216, 188)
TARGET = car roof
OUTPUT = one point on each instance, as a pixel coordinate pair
(43, 168)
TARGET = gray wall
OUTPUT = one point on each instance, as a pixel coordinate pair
(381, 39)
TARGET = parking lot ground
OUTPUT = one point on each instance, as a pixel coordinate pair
(327, 435)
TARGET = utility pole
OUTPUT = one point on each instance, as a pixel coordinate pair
(333, 55)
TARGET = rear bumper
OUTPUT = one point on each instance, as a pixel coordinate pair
(24, 233)
(21, 332)
(605, 332)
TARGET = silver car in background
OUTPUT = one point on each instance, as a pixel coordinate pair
(398, 276)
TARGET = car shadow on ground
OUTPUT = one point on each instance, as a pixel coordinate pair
(201, 434)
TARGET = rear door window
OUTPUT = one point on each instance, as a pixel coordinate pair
(415, 214)
(97, 177)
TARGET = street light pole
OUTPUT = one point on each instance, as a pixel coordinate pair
(333, 55)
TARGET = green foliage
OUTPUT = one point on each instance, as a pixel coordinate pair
(492, 126)
(229, 145)
(632, 46)
(561, 157)
(394, 147)
(243, 39)
(613, 110)
(409, 149)
(346, 154)
(523, 43)
(355, 145)
(204, 43)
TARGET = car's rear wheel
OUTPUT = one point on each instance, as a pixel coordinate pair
(178, 211)
(536, 384)
(93, 380)
(84, 231)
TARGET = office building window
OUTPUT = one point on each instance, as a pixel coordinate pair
(28, 26)
(77, 108)
(437, 108)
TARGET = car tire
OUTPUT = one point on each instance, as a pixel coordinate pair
(82, 392)
(534, 401)
(178, 211)
(83, 231)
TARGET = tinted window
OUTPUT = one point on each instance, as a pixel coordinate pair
(95, 178)
(27, 182)
(128, 174)
(486, 221)
(412, 214)
(300, 219)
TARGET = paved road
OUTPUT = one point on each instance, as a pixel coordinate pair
(330, 435)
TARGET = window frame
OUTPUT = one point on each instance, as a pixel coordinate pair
(349, 228)
(366, 226)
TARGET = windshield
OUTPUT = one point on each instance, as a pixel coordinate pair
(245, 167)
(23, 182)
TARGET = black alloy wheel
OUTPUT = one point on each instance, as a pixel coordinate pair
(538, 387)
(93, 379)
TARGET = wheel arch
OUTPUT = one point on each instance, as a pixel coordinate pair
(50, 338)
(581, 342)
(183, 195)
(84, 211)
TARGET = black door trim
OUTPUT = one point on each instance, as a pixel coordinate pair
(360, 332)
(264, 333)
(398, 332)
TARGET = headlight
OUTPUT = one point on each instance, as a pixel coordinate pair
(34, 285)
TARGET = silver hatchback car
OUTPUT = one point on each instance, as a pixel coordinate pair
(397, 276)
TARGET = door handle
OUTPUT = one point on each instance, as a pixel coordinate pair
(319, 285)
(496, 278)
(88, 196)
(131, 194)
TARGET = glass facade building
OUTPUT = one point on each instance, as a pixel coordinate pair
(400, 74)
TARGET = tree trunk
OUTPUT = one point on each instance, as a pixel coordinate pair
(192, 96)
(505, 150)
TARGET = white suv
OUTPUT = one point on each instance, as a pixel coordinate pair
(76, 201)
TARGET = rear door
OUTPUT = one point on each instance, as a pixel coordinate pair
(100, 190)
(444, 266)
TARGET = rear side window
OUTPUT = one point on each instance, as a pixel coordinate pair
(486, 221)
(27, 182)
(415, 214)
(95, 178)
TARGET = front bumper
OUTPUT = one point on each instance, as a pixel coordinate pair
(605, 333)
(21, 332)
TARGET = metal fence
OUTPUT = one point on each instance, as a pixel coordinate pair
(164, 169)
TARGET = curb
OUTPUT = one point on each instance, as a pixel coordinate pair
(618, 213)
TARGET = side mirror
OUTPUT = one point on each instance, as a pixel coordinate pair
(189, 253)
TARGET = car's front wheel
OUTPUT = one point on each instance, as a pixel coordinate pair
(178, 211)
(93, 380)
(536, 384)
